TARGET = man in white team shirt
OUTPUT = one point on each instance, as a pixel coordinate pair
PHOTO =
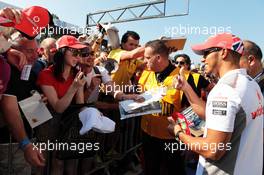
(232, 142)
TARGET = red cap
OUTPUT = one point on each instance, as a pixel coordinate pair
(223, 40)
(69, 41)
(33, 20)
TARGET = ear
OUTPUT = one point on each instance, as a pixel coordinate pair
(251, 60)
(223, 54)
(159, 57)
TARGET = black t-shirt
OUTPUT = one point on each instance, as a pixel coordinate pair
(202, 84)
(161, 76)
(22, 90)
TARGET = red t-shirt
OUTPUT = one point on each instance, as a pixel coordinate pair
(46, 77)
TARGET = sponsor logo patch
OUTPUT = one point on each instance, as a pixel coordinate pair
(219, 112)
(258, 113)
(219, 104)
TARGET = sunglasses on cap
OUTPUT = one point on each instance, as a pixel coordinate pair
(211, 50)
(179, 62)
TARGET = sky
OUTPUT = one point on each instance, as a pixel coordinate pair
(206, 17)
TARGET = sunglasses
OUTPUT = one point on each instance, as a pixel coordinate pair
(180, 62)
(87, 54)
(211, 50)
(77, 52)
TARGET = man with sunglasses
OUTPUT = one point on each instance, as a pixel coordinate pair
(182, 60)
(233, 141)
(96, 75)
(195, 79)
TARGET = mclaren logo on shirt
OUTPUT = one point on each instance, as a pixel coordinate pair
(219, 112)
(219, 104)
(258, 113)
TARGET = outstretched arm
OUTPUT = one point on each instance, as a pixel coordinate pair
(12, 117)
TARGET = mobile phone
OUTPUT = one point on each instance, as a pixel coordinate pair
(81, 75)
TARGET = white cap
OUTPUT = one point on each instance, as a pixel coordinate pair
(91, 118)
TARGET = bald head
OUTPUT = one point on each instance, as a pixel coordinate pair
(251, 48)
(251, 58)
(47, 42)
(45, 46)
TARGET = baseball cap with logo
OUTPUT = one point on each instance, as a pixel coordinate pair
(69, 41)
(223, 40)
(33, 20)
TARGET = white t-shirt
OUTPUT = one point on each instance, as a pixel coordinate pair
(235, 105)
(105, 79)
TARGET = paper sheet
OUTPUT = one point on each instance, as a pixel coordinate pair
(35, 110)
(151, 96)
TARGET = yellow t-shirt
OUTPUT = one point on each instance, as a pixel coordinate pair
(156, 124)
(126, 68)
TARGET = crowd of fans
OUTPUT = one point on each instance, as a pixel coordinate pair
(73, 74)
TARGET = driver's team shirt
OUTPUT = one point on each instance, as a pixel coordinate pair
(236, 105)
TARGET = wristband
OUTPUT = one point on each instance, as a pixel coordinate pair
(23, 143)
